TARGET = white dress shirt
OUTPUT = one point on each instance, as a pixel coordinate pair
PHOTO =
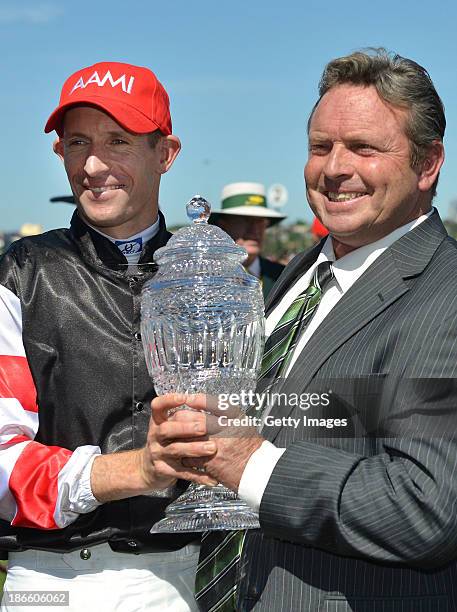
(347, 270)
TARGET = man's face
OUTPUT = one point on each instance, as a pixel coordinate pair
(359, 180)
(114, 174)
(248, 232)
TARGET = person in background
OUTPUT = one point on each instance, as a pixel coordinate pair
(245, 217)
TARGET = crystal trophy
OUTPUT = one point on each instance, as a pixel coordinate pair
(202, 324)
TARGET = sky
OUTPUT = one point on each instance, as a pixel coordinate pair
(242, 77)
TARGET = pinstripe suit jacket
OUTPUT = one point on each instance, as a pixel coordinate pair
(365, 518)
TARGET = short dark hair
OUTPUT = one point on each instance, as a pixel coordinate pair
(399, 81)
(154, 137)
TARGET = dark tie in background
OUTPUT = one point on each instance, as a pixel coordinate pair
(217, 576)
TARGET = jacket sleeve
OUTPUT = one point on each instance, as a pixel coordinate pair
(395, 506)
(44, 487)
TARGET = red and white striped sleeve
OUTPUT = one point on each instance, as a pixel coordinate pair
(44, 487)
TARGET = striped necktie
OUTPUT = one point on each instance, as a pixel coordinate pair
(280, 346)
(218, 572)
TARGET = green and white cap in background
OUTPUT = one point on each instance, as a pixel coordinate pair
(247, 199)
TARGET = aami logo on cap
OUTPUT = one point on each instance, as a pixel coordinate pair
(101, 82)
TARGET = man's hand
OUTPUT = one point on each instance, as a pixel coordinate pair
(172, 440)
(159, 464)
(235, 443)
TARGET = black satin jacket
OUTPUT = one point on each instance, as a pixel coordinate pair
(81, 332)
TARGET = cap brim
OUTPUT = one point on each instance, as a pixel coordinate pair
(251, 211)
(127, 116)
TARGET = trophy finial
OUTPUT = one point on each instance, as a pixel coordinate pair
(198, 209)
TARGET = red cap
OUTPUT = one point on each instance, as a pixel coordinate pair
(317, 229)
(132, 95)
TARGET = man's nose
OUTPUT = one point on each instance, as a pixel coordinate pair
(95, 165)
(338, 164)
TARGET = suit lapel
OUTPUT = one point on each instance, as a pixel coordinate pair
(379, 287)
(267, 284)
(295, 269)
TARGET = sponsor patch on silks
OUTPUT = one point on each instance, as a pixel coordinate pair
(130, 247)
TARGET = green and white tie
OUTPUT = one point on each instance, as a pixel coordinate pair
(218, 572)
(281, 343)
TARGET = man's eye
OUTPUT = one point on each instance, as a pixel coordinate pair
(363, 147)
(118, 141)
(76, 142)
(318, 148)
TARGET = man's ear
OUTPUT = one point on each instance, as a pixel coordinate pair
(57, 147)
(170, 146)
(431, 165)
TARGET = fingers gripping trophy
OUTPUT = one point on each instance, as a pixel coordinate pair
(203, 332)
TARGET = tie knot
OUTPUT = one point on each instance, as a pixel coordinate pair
(323, 274)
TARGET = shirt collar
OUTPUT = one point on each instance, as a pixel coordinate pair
(349, 268)
(103, 254)
(146, 234)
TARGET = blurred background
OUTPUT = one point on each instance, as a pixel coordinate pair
(242, 78)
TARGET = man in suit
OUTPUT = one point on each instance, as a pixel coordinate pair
(357, 501)
(245, 217)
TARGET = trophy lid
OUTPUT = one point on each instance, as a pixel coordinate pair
(200, 237)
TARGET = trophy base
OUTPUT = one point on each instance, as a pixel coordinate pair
(203, 508)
